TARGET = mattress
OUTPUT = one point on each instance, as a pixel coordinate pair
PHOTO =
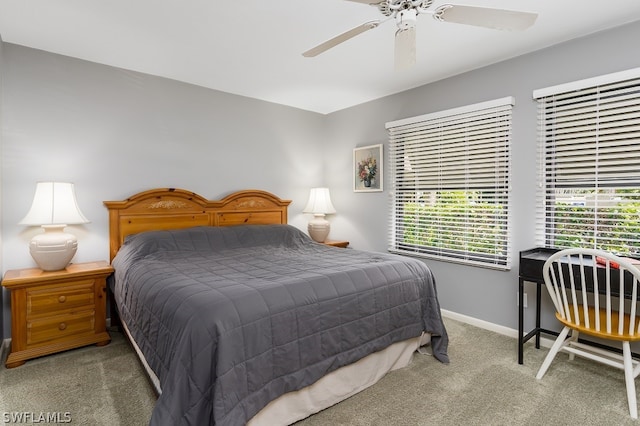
(229, 319)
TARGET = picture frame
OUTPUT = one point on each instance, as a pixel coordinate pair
(367, 168)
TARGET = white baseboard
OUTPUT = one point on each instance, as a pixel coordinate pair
(500, 329)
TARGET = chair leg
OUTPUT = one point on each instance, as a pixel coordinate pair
(573, 338)
(555, 348)
(629, 380)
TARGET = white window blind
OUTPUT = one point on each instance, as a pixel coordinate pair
(450, 184)
(589, 143)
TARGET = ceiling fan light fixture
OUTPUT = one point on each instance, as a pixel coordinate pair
(406, 19)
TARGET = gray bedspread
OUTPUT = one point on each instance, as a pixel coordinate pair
(231, 318)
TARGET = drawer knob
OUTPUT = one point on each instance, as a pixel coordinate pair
(62, 299)
(62, 326)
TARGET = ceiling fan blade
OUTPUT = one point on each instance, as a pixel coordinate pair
(340, 38)
(405, 49)
(498, 19)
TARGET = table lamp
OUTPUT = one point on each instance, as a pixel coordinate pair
(54, 207)
(319, 205)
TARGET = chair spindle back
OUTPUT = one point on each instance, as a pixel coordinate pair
(574, 285)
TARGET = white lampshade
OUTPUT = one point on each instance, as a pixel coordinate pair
(54, 204)
(319, 205)
(319, 202)
(54, 207)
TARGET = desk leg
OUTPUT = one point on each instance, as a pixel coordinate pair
(521, 320)
(538, 303)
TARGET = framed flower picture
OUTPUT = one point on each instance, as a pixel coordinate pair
(367, 168)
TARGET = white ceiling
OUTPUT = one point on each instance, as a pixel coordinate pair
(253, 47)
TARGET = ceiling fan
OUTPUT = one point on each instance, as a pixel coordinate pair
(405, 13)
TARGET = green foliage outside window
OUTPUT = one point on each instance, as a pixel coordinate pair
(439, 224)
(617, 228)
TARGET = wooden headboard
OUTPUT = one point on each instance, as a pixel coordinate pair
(170, 208)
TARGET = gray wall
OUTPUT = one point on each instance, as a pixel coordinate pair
(115, 132)
(481, 293)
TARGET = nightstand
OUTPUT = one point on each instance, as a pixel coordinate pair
(57, 310)
(336, 243)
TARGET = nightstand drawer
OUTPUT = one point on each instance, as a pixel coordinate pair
(57, 299)
(54, 328)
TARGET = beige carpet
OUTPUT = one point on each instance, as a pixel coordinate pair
(94, 385)
(483, 385)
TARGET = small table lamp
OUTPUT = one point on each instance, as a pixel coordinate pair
(54, 207)
(319, 205)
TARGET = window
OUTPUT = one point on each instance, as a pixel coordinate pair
(589, 140)
(450, 178)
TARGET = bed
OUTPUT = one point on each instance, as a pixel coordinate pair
(240, 318)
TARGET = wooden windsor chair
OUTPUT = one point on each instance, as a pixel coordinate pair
(591, 300)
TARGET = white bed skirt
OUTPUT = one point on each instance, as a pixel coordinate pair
(338, 385)
(329, 390)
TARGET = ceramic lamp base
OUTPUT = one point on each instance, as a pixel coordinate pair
(54, 249)
(319, 228)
